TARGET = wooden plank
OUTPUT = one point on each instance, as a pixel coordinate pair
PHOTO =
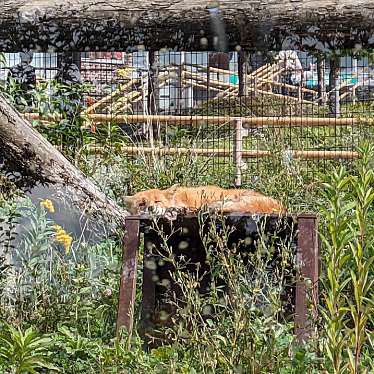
(289, 86)
(127, 290)
(308, 264)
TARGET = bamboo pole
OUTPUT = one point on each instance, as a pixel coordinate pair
(354, 87)
(195, 84)
(197, 119)
(235, 88)
(107, 98)
(256, 74)
(223, 71)
(252, 121)
(354, 98)
(275, 73)
(298, 154)
(280, 96)
(175, 151)
(163, 77)
(261, 73)
(324, 155)
(289, 86)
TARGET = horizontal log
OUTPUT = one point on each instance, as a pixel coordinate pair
(218, 120)
(221, 152)
(195, 84)
(59, 25)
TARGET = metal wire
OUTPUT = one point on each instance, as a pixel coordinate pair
(180, 86)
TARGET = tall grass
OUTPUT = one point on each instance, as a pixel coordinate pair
(349, 254)
(239, 324)
(73, 295)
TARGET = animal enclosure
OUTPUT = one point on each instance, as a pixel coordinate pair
(271, 96)
(229, 112)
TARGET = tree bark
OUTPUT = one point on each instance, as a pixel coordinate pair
(64, 25)
(24, 151)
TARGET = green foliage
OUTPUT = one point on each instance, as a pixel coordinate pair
(53, 100)
(8, 190)
(73, 296)
(349, 256)
(244, 329)
(24, 352)
(48, 285)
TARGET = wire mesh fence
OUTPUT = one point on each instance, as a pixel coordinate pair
(233, 113)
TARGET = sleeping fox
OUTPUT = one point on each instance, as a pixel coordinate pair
(191, 199)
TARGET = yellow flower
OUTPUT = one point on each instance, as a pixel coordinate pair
(47, 204)
(63, 237)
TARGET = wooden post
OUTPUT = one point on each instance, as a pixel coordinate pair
(127, 290)
(219, 120)
(321, 66)
(148, 288)
(337, 100)
(243, 73)
(77, 60)
(300, 91)
(307, 261)
(254, 86)
(355, 74)
(237, 151)
(334, 86)
(153, 91)
(153, 83)
(179, 85)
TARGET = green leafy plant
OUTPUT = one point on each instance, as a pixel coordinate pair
(242, 326)
(24, 352)
(349, 256)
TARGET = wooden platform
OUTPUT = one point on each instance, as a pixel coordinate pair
(300, 230)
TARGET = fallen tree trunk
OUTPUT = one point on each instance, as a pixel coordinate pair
(185, 25)
(26, 152)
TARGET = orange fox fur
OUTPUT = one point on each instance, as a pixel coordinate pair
(191, 199)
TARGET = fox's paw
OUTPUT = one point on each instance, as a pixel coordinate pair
(172, 213)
